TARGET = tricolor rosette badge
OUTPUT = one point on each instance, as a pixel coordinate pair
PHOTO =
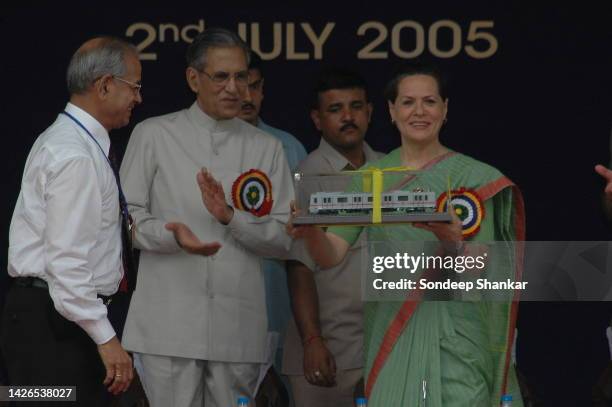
(467, 206)
(252, 192)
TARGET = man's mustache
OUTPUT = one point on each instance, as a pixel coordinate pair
(246, 105)
(349, 126)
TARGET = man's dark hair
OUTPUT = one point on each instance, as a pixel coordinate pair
(421, 67)
(213, 38)
(256, 63)
(336, 78)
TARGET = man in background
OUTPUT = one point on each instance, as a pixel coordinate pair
(251, 112)
(323, 354)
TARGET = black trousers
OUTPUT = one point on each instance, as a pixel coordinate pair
(42, 348)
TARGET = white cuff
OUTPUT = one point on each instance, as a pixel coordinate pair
(100, 330)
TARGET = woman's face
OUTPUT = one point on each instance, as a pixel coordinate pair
(418, 110)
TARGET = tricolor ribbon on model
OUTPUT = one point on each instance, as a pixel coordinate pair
(373, 182)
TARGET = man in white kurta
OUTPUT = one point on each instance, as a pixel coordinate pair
(199, 323)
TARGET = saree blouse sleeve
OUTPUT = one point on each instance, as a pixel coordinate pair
(349, 233)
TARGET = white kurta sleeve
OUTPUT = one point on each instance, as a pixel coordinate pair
(137, 173)
(74, 216)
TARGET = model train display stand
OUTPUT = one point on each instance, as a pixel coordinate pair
(371, 197)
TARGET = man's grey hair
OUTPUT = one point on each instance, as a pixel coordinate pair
(89, 64)
(213, 38)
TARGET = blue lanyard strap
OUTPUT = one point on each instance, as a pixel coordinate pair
(122, 200)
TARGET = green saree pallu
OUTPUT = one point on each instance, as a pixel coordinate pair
(447, 353)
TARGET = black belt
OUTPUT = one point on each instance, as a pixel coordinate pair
(31, 282)
(40, 283)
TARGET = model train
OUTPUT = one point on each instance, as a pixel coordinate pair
(355, 203)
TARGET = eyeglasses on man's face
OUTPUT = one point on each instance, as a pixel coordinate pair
(136, 87)
(221, 78)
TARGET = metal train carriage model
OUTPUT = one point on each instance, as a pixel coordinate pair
(356, 203)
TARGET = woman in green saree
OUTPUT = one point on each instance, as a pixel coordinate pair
(436, 353)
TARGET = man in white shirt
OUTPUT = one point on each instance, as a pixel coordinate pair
(65, 250)
(198, 324)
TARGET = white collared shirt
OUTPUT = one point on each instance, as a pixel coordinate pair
(66, 226)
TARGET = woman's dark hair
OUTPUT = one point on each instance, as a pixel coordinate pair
(415, 68)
